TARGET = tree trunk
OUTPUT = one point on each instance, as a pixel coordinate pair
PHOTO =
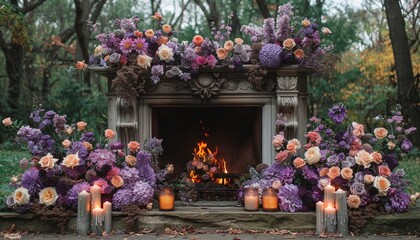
(407, 91)
(14, 68)
(263, 6)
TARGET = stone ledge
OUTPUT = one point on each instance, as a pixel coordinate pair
(224, 217)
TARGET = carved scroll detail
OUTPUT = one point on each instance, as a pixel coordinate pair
(207, 85)
(286, 83)
(127, 124)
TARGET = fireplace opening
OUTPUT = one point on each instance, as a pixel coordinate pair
(234, 132)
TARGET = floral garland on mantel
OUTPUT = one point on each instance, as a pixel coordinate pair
(150, 54)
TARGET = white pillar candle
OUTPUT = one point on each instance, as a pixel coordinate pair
(83, 212)
(95, 192)
(342, 217)
(97, 220)
(108, 216)
(329, 196)
(319, 217)
(251, 199)
(330, 219)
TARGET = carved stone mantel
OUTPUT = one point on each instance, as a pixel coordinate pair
(285, 92)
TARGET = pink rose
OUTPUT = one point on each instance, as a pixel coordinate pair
(109, 134)
(200, 60)
(358, 129)
(293, 145)
(299, 162)
(7, 121)
(278, 141)
(384, 170)
(211, 60)
(377, 157)
(66, 143)
(81, 126)
(368, 178)
(117, 181)
(102, 184)
(281, 156)
(133, 146)
(113, 172)
(313, 136)
(323, 171)
(347, 173)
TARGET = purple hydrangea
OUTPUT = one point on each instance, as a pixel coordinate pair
(400, 200)
(129, 175)
(142, 193)
(289, 198)
(31, 181)
(270, 55)
(29, 134)
(146, 172)
(59, 123)
(102, 157)
(122, 198)
(72, 194)
(337, 113)
(77, 147)
(87, 137)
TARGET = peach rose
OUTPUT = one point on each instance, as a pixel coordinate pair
(66, 143)
(144, 61)
(71, 160)
(81, 65)
(167, 28)
(138, 33)
(313, 155)
(239, 41)
(363, 158)
(48, 196)
(170, 168)
(21, 196)
(377, 157)
(326, 31)
(163, 40)
(382, 184)
(299, 162)
(69, 130)
(380, 133)
(299, 54)
(221, 53)
(347, 173)
(289, 43)
(384, 170)
(323, 171)
(117, 181)
(109, 133)
(81, 126)
(228, 45)
(98, 51)
(7, 121)
(368, 178)
(165, 53)
(87, 145)
(333, 172)
(198, 40)
(48, 161)
(358, 129)
(391, 145)
(306, 23)
(353, 201)
(313, 136)
(149, 33)
(276, 184)
(133, 146)
(293, 145)
(131, 160)
(278, 141)
(281, 156)
(157, 16)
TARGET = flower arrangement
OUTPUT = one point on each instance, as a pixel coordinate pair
(363, 164)
(145, 55)
(68, 158)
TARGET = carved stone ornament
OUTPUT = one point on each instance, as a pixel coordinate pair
(207, 85)
(286, 83)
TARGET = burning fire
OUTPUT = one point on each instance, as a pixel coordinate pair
(205, 165)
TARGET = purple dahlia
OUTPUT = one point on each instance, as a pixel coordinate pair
(289, 198)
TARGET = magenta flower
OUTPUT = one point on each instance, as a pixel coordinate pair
(126, 45)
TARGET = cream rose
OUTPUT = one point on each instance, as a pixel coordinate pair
(368, 178)
(289, 44)
(276, 184)
(48, 161)
(228, 45)
(131, 160)
(48, 196)
(380, 133)
(69, 130)
(278, 141)
(382, 184)
(313, 155)
(71, 160)
(326, 31)
(306, 23)
(299, 162)
(117, 181)
(391, 145)
(347, 173)
(109, 133)
(358, 129)
(170, 168)
(21, 196)
(323, 182)
(133, 146)
(81, 126)
(363, 158)
(144, 61)
(7, 121)
(66, 143)
(333, 172)
(165, 53)
(98, 51)
(353, 201)
(293, 145)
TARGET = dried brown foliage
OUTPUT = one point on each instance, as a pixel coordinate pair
(359, 217)
(130, 81)
(133, 214)
(58, 215)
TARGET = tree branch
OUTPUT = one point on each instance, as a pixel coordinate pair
(182, 13)
(32, 6)
(263, 6)
(3, 43)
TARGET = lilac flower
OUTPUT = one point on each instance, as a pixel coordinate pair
(284, 27)
(338, 113)
(400, 200)
(101, 157)
(410, 130)
(269, 35)
(256, 33)
(146, 172)
(87, 137)
(59, 123)
(289, 198)
(310, 174)
(185, 76)
(35, 115)
(72, 194)
(31, 181)
(270, 55)
(154, 147)
(78, 147)
(157, 70)
(117, 146)
(391, 160)
(29, 134)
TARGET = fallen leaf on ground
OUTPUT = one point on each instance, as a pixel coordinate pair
(146, 231)
(12, 235)
(234, 231)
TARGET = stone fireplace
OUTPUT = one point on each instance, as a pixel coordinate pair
(219, 106)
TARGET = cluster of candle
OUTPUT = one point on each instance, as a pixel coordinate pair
(91, 214)
(270, 201)
(331, 215)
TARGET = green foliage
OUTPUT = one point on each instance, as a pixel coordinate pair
(14, 22)
(411, 164)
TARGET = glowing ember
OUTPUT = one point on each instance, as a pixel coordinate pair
(205, 165)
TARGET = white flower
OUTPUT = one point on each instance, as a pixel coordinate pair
(165, 53)
(21, 196)
(48, 161)
(48, 196)
(144, 61)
